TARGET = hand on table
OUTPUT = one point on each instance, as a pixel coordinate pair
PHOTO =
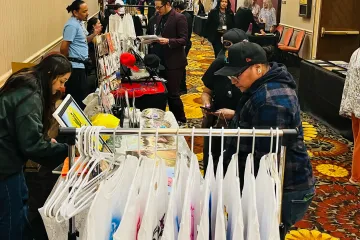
(163, 41)
(262, 32)
(228, 114)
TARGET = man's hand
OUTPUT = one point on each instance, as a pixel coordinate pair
(163, 41)
(206, 105)
(53, 140)
(228, 114)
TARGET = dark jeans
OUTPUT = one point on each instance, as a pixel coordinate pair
(77, 86)
(40, 185)
(183, 81)
(13, 208)
(294, 206)
(173, 77)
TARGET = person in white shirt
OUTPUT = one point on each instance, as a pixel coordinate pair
(255, 9)
(268, 16)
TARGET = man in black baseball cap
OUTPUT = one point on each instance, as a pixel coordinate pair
(269, 101)
(242, 56)
(231, 37)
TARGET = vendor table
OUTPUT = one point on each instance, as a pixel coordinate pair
(320, 93)
(199, 25)
(148, 94)
(267, 40)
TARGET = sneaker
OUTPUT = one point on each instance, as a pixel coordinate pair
(353, 182)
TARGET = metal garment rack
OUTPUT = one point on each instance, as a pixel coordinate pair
(285, 134)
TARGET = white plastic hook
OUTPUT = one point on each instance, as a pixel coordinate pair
(139, 141)
(156, 141)
(192, 139)
(271, 140)
(210, 140)
(177, 141)
(238, 142)
(222, 142)
(253, 142)
(277, 140)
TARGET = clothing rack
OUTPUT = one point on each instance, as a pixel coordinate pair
(286, 134)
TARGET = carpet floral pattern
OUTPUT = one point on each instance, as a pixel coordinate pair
(335, 210)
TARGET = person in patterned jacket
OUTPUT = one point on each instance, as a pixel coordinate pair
(269, 101)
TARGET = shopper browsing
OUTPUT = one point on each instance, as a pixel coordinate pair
(75, 47)
(269, 100)
(27, 101)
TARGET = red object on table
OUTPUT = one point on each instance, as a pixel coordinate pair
(139, 89)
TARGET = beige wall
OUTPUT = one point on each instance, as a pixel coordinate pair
(290, 18)
(30, 27)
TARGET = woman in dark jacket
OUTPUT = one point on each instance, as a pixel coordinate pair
(219, 20)
(244, 17)
(27, 101)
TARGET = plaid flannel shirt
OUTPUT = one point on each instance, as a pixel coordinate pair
(272, 102)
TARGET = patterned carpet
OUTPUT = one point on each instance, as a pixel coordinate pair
(335, 210)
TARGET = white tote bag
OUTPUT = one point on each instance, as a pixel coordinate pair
(174, 211)
(135, 205)
(251, 222)
(221, 211)
(208, 188)
(232, 202)
(191, 209)
(108, 206)
(152, 223)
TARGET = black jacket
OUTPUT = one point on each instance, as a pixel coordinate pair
(189, 20)
(212, 23)
(243, 18)
(21, 133)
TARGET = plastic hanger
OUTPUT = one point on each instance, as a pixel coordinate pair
(156, 142)
(210, 140)
(252, 151)
(237, 152)
(222, 143)
(139, 141)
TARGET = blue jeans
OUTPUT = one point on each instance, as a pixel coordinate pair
(294, 207)
(14, 224)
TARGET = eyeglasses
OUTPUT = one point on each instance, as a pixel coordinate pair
(158, 7)
(227, 43)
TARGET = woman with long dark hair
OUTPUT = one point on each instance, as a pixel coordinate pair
(220, 19)
(27, 101)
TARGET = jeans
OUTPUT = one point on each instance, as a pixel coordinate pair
(14, 224)
(294, 207)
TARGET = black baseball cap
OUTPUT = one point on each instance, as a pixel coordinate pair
(240, 57)
(153, 61)
(235, 35)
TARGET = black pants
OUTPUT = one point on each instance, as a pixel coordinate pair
(77, 86)
(217, 45)
(173, 77)
(183, 88)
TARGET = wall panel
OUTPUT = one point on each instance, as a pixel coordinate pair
(28, 26)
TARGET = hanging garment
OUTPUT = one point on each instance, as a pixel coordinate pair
(232, 202)
(191, 209)
(251, 222)
(108, 206)
(135, 204)
(177, 195)
(204, 228)
(221, 210)
(152, 223)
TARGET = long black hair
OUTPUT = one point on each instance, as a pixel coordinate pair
(228, 8)
(39, 78)
(75, 6)
(90, 24)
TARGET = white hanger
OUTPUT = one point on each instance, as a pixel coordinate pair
(192, 139)
(237, 152)
(210, 140)
(222, 142)
(156, 142)
(252, 151)
(139, 140)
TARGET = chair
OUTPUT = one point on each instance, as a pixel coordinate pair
(287, 37)
(280, 30)
(298, 42)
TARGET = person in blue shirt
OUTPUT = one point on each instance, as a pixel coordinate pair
(75, 47)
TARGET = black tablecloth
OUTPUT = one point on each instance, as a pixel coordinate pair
(264, 40)
(320, 93)
(199, 25)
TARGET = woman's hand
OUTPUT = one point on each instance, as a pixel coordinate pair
(53, 140)
(272, 29)
(206, 105)
(226, 113)
(262, 32)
